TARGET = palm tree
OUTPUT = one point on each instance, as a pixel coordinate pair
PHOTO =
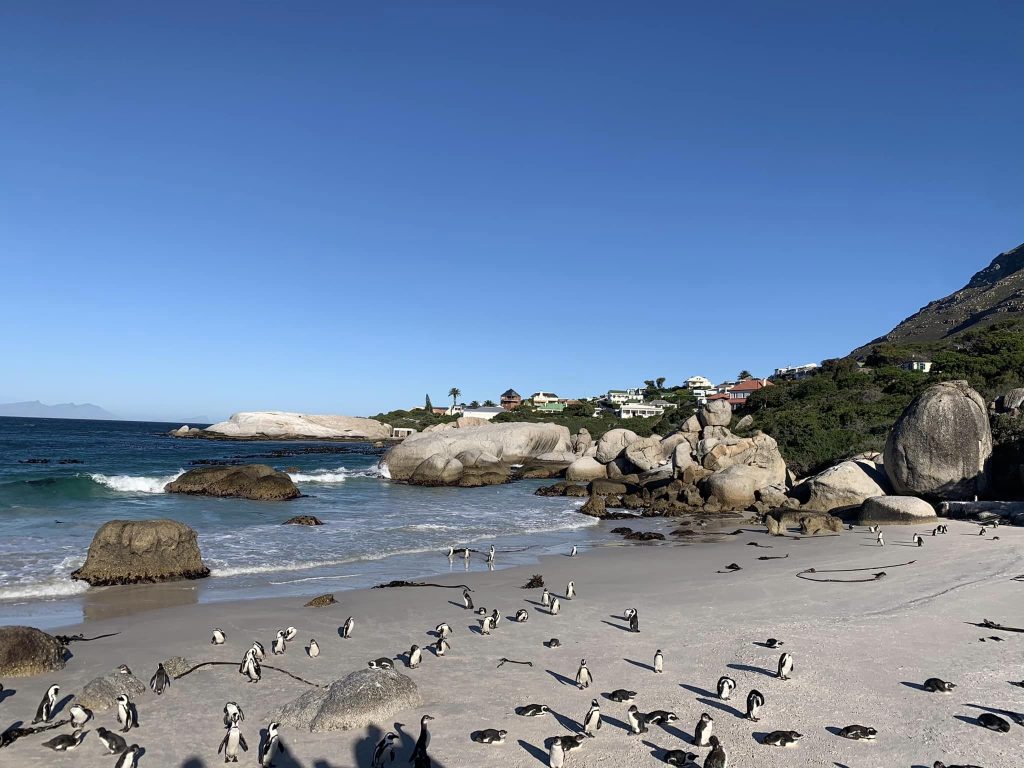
(488, 403)
(745, 374)
(660, 381)
(454, 393)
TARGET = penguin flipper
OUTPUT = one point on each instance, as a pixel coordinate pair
(598, 727)
(223, 744)
(242, 744)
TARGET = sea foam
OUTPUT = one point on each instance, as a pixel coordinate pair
(135, 483)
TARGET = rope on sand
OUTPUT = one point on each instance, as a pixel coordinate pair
(874, 577)
(512, 661)
(12, 734)
(392, 584)
(773, 557)
(988, 624)
(233, 664)
(79, 638)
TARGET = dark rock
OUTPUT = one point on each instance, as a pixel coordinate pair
(321, 601)
(632, 501)
(142, 551)
(606, 488)
(27, 651)
(101, 693)
(248, 481)
(644, 536)
(303, 520)
(595, 507)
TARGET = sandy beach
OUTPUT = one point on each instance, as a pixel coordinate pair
(861, 651)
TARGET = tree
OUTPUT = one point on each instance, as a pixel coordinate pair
(649, 383)
(474, 404)
(745, 374)
(454, 393)
(488, 403)
(660, 382)
(427, 406)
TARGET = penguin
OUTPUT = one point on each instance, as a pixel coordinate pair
(771, 642)
(573, 552)
(545, 598)
(45, 709)
(626, 614)
(250, 667)
(126, 715)
(556, 606)
(918, 540)
(533, 710)
(702, 733)
(873, 528)
(726, 685)
(233, 739)
(659, 662)
(880, 540)
(280, 644)
(660, 717)
(385, 749)
(858, 733)
(943, 529)
(522, 615)
(232, 714)
(415, 657)
(290, 633)
(583, 676)
(554, 642)
(347, 627)
(785, 666)
(451, 555)
(935, 531)
(490, 555)
(259, 651)
(556, 754)
(269, 746)
(982, 531)
(570, 590)
(717, 758)
(129, 758)
(486, 625)
(481, 611)
(160, 681)
(621, 695)
(680, 757)
(79, 715)
(496, 616)
(381, 663)
(66, 741)
(465, 555)
(636, 721)
(443, 630)
(755, 700)
(993, 722)
(937, 685)
(489, 736)
(218, 637)
(634, 621)
(115, 744)
(314, 649)
(419, 757)
(592, 721)
(441, 647)
(467, 600)
(781, 738)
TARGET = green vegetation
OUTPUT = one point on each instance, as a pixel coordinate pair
(417, 418)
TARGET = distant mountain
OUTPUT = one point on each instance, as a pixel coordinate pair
(38, 410)
(995, 293)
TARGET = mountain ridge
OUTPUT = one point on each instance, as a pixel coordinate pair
(34, 409)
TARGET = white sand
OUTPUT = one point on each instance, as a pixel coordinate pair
(855, 647)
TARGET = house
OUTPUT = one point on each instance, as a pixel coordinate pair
(400, 433)
(555, 407)
(486, 412)
(622, 396)
(642, 410)
(451, 410)
(510, 400)
(539, 398)
(796, 372)
(737, 394)
(917, 363)
(663, 404)
(697, 382)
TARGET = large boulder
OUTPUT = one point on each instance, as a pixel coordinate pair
(613, 443)
(940, 446)
(512, 443)
(464, 422)
(681, 458)
(27, 651)
(146, 551)
(247, 481)
(101, 693)
(582, 442)
(552, 464)
(669, 444)
(364, 697)
(846, 484)
(282, 425)
(896, 510)
(715, 413)
(734, 487)
(759, 450)
(586, 469)
(645, 454)
(1011, 402)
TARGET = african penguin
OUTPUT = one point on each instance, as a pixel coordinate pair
(496, 616)
(771, 642)
(269, 746)
(636, 721)
(490, 554)
(79, 715)
(781, 738)
(659, 662)
(160, 681)
(628, 612)
(755, 700)
(232, 740)
(419, 757)
(347, 627)
(522, 615)
(489, 736)
(384, 750)
(382, 663)
(443, 630)
(717, 758)
(280, 644)
(554, 642)
(545, 598)
(556, 606)
(441, 647)
(314, 649)
(570, 590)
(680, 757)
(218, 637)
(415, 657)
(634, 621)
(918, 540)
(660, 716)
(880, 540)
(250, 667)
(290, 633)
(532, 710)
(573, 551)
(858, 733)
(126, 715)
(702, 733)
(45, 709)
(937, 685)
(467, 600)
(621, 695)
(556, 755)
(592, 721)
(583, 676)
(486, 625)
(115, 744)
(726, 685)
(571, 742)
(785, 666)
(993, 722)
(451, 556)
(66, 741)
(129, 758)
(258, 650)
(233, 713)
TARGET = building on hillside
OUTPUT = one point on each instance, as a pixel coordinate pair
(451, 410)
(796, 372)
(550, 407)
(486, 412)
(663, 404)
(697, 382)
(622, 396)
(641, 410)
(400, 433)
(510, 400)
(540, 398)
(917, 363)
(737, 394)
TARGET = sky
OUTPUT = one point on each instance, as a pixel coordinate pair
(338, 207)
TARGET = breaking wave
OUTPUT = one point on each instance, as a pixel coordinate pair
(135, 483)
(339, 475)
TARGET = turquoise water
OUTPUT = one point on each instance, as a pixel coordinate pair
(374, 531)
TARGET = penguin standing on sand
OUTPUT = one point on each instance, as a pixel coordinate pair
(659, 662)
(583, 676)
(126, 715)
(233, 739)
(545, 598)
(634, 621)
(556, 754)
(385, 750)
(873, 528)
(702, 733)
(129, 758)
(115, 744)
(79, 715)
(258, 651)
(880, 539)
(496, 617)
(785, 666)
(573, 551)
(755, 700)
(570, 590)
(592, 722)
(250, 667)
(290, 633)
(160, 681)
(556, 606)
(347, 627)
(280, 644)
(726, 685)
(637, 724)
(232, 714)
(467, 600)
(415, 657)
(419, 757)
(443, 630)
(441, 647)
(522, 615)
(45, 709)
(918, 540)
(270, 746)
(218, 637)
(490, 555)
(314, 649)
(486, 625)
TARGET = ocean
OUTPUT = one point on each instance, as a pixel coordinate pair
(61, 479)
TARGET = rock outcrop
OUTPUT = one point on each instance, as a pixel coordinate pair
(585, 470)
(613, 442)
(303, 520)
(1011, 402)
(282, 425)
(142, 551)
(715, 413)
(895, 510)
(846, 484)
(645, 454)
(27, 651)
(322, 601)
(940, 446)
(101, 693)
(247, 481)
(364, 697)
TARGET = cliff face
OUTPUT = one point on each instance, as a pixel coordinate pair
(994, 293)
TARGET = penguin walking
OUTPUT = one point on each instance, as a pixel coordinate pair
(496, 616)
(441, 647)
(250, 667)
(522, 615)
(918, 540)
(659, 662)
(347, 627)
(444, 631)
(160, 681)
(702, 733)
(880, 539)
(556, 606)
(592, 721)
(66, 742)
(280, 644)
(415, 657)
(218, 637)
(556, 754)
(717, 758)
(634, 621)
(490, 555)
(129, 758)
(232, 714)
(290, 633)
(982, 531)
(573, 552)
(44, 712)
(230, 744)
(465, 555)
(755, 700)
(385, 750)
(570, 590)
(467, 600)
(785, 666)
(583, 676)
(270, 746)
(314, 649)
(726, 685)
(545, 598)
(79, 715)
(486, 625)
(114, 744)
(451, 554)
(637, 724)
(127, 717)
(420, 758)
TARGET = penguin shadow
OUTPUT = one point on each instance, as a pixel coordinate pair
(642, 665)
(615, 722)
(6, 693)
(758, 736)
(59, 706)
(617, 626)
(566, 722)
(362, 750)
(458, 605)
(749, 668)
(721, 705)
(970, 720)
(695, 689)
(762, 644)
(475, 629)
(834, 729)
(1017, 717)
(561, 679)
(915, 686)
(677, 732)
(535, 751)
(536, 603)
(193, 762)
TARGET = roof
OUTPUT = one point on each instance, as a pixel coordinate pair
(510, 393)
(544, 394)
(749, 385)
(484, 409)
(617, 392)
(660, 402)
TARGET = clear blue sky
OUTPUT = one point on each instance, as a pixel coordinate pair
(338, 207)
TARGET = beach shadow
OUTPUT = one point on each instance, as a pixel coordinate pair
(915, 686)
(617, 626)
(640, 664)
(536, 603)
(475, 629)
(64, 702)
(721, 705)
(458, 605)
(562, 679)
(969, 720)
(762, 644)
(614, 721)
(677, 732)
(1017, 717)
(695, 689)
(748, 668)
(6, 693)
(834, 730)
(362, 750)
(536, 752)
(193, 762)
(566, 722)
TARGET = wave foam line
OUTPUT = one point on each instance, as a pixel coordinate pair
(43, 590)
(135, 483)
(339, 475)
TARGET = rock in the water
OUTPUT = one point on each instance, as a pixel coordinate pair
(895, 510)
(585, 470)
(547, 465)
(594, 506)
(281, 425)
(437, 470)
(941, 444)
(715, 413)
(645, 454)
(303, 520)
(101, 693)
(321, 601)
(247, 481)
(644, 536)
(613, 443)
(27, 651)
(134, 551)
(846, 484)
(364, 697)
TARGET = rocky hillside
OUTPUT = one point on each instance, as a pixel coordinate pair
(995, 293)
